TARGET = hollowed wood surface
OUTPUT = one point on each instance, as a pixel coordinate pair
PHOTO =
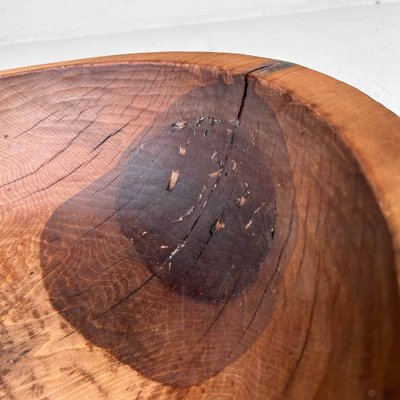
(196, 226)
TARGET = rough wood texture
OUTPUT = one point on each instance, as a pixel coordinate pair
(196, 226)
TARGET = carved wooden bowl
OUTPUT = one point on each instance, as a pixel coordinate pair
(196, 226)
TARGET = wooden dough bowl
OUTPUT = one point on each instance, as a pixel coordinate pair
(196, 226)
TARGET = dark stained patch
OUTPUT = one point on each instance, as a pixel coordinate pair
(277, 66)
(63, 326)
(208, 233)
(108, 272)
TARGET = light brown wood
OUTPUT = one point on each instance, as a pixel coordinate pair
(196, 226)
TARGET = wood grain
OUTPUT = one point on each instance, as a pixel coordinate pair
(196, 226)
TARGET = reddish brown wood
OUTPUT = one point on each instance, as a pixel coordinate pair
(196, 226)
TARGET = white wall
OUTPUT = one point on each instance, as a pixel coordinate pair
(32, 20)
(356, 41)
